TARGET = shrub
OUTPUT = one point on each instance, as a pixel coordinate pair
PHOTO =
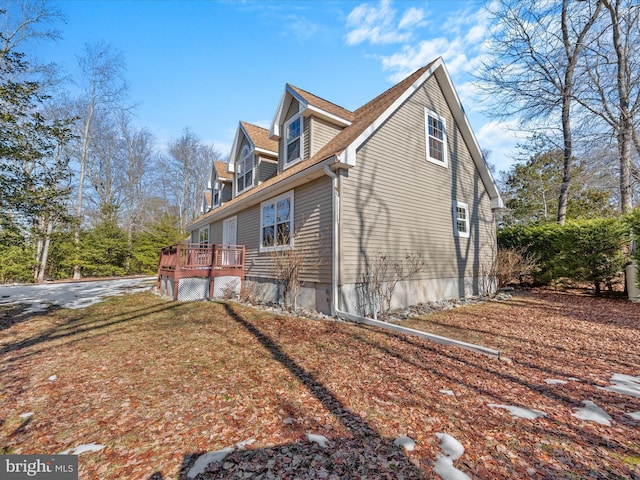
(592, 251)
(513, 264)
(383, 273)
(16, 264)
(542, 242)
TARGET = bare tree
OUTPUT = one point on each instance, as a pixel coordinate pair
(104, 89)
(530, 73)
(105, 163)
(28, 22)
(138, 155)
(612, 91)
(189, 164)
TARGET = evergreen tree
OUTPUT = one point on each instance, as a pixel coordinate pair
(34, 173)
(147, 245)
(531, 191)
(104, 248)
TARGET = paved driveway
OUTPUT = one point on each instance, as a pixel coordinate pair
(38, 298)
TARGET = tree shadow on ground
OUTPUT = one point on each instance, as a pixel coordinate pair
(13, 313)
(341, 458)
(366, 455)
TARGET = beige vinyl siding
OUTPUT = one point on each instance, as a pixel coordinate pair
(215, 233)
(396, 202)
(226, 192)
(294, 108)
(306, 127)
(266, 169)
(312, 222)
(320, 133)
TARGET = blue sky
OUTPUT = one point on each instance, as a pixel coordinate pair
(207, 65)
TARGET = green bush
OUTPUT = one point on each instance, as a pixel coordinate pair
(16, 264)
(592, 251)
(104, 250)
(541, 242)
(147, 244)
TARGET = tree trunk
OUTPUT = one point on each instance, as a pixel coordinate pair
(36, 270)
(625, 125)
(567, 159)
(45, 252)
(83, 161)
(626, 200)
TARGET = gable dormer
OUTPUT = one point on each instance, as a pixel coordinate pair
(254, 157)
(219, 187)
(303, 124)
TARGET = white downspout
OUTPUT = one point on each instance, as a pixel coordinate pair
(335, 204)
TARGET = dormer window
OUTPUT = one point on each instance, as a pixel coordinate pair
(293, 130)
(215, 197)
(244, 171)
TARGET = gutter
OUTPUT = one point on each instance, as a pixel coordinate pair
(335, 265)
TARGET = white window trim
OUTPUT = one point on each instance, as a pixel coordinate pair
(430, 113)
(242, 158)
(200, 232)
(274, 201)
(214, 189)
(286, 164)
(464, 206)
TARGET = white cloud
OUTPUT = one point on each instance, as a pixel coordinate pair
(461, 43)
(501, 140)
(411, 18)
(378, 25)
(301, 27)
(410, 58)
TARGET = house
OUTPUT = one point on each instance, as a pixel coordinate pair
(400, 177)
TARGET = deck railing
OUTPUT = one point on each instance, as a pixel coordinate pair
(194, 256)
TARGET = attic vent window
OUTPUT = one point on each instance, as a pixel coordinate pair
(293, 134)
(436, 133)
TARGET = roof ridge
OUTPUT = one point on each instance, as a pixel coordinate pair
(400, 86)
(254, 125)
(319, 97)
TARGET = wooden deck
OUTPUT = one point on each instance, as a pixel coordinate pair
(199, 261)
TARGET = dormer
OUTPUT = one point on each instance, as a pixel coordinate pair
(219, 188)
(254, 157)
(303, 124)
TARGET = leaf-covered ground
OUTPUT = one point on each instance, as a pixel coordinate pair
(159, 383)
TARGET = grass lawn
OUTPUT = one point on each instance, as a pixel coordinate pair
(158, 383)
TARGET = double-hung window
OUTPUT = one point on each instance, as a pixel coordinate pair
(293, 137)
(244, 171)
(461, 219)
(215, 195)
(276, 222)
(436, 136)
